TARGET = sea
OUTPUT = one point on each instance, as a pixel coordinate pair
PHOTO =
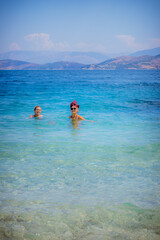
(80, 180)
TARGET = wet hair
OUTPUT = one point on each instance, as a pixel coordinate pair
(74, 103)
(36, 107)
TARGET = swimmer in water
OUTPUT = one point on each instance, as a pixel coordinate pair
(37, 111)
(74, 110)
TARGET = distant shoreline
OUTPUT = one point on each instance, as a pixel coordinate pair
(120, 63)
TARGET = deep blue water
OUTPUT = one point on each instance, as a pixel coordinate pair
(51, 162)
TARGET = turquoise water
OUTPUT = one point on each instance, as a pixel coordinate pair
(83, 180)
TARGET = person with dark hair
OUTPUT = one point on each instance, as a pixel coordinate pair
(74, 110)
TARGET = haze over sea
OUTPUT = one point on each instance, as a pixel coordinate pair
(63, 180)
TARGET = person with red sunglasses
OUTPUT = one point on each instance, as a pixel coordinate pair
(74, 110)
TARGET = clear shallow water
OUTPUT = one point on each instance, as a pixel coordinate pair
(87, 180)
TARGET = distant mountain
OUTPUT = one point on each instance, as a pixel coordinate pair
(42, 57)
(9, 64)
(21, 65)
(62, 66)
(127, 62)
(150, 52)
(124, 62)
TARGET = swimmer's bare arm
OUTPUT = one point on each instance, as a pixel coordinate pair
(32, 116)
(81, 118)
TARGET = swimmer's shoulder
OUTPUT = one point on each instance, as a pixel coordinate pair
(33, 116)
(80, 117)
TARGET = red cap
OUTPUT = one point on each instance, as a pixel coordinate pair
(74, 103)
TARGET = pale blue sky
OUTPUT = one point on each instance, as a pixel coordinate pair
(110, 26)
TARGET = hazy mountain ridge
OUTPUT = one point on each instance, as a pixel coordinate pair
(127, 62)
(9, 64)
(43, 57)
(48, 60)
(151, 52)
(62, 66)
(124, 62)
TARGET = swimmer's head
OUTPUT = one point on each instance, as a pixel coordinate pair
(74, 103)
(74, 107)
(37, 110)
